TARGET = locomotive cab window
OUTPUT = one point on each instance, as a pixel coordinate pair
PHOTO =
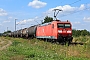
(60, 26)
(67, 25)
(63, 25)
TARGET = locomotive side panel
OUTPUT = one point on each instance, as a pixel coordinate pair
(45, 32)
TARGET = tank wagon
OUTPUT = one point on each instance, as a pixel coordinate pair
(60, 31)
(31, 31)
(15, 34)
(12, 34)
(19, 33)
(9, 34)
(24, 32)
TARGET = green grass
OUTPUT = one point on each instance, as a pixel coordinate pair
(33, 49)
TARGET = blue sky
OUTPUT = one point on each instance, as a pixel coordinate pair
(32, 12)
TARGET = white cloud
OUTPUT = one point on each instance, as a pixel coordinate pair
(31, 21)
(2, 12)
(67, 9)
(82, 7)
(37, 4)
(86, 19)
(77, 22)
(25, 21)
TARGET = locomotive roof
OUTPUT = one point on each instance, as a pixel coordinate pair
(57, 21)
(46, 24)
(62, 21)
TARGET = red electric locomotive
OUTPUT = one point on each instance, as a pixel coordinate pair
(55, 30)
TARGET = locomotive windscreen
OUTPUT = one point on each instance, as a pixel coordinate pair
(64, 26)
(67, 26)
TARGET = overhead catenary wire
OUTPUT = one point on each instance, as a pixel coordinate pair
(75, 12)
(71, 3)
(74, 2)
(68, 4)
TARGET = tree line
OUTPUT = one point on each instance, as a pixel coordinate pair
(78, 33)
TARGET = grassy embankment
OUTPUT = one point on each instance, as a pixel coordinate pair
(23, 49)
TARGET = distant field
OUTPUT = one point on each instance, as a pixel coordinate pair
(33, 49)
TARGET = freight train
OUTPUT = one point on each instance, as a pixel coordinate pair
(60, 31)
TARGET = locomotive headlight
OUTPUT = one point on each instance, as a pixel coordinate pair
(68, 31)
(59, 31)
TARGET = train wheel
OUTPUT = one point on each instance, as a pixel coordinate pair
(69, 42)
